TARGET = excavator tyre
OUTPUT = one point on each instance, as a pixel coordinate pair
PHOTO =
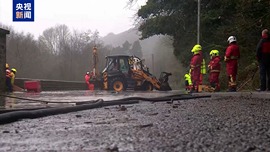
(147, 86)
(117, 84)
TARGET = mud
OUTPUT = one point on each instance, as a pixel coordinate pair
(220, 124)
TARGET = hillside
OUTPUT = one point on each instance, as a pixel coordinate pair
(115, 40)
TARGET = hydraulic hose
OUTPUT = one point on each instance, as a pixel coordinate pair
(157, 99)
(12, 110)
(42, 101)
(13, 116)
(31, 114)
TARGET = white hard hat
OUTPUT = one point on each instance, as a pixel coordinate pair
(231, 39)
(87, 72)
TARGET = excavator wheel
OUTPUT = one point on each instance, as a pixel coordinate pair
(147, 86)
(117, 84)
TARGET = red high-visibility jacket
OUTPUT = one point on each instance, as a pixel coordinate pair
(195, 66)
(263, 50)
(9, 74)
(231, 56)
(87, 79)
(214, 69)
(214, 64)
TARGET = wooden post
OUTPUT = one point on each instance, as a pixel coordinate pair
(95, 56)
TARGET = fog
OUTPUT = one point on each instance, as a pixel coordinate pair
(64, 54)
(157, 52)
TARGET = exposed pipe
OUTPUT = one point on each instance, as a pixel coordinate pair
(31, 114)
(43, 101)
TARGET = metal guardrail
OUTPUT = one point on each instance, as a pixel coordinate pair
(53, 85)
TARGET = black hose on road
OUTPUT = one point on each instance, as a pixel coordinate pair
(43, 101)
(25, 109)
(31, 114)
(9, 117)
(156, 99)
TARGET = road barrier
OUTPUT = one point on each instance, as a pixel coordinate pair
(53, 85)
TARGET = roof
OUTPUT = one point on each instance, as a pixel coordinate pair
(3, 31)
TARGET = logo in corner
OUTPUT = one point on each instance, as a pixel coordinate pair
(23, 10)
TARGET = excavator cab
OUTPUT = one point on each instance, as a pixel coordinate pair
(116, 73)
(124, 72)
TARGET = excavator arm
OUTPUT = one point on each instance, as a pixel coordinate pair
(162, 84)
(140, 75)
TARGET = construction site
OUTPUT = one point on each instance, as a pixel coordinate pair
(134, 76)
(127, 108)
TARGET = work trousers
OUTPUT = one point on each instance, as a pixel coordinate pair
(9, 85)
(214, 80)
(188, 86)
(231, 69)
(195, 77)
(264, 73)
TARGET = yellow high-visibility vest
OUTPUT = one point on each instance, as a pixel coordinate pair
(12, 78)
(203, 67)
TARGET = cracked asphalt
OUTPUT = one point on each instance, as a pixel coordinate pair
(223, 123)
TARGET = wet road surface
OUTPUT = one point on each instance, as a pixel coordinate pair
(65, 97)
(226, 123)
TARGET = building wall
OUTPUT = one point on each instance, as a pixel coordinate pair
(3, 34)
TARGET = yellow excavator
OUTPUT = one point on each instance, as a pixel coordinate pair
(124, 72)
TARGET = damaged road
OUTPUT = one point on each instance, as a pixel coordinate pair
(224, 123)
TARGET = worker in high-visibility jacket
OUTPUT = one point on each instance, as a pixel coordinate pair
(87, 78)
(8, 79)
(188, 82)
(232, 55)
(195, 66)
(214, 70)
(13, 71)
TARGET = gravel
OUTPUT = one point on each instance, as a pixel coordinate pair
(220, 124)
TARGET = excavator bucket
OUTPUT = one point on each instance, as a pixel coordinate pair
(163, 79)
